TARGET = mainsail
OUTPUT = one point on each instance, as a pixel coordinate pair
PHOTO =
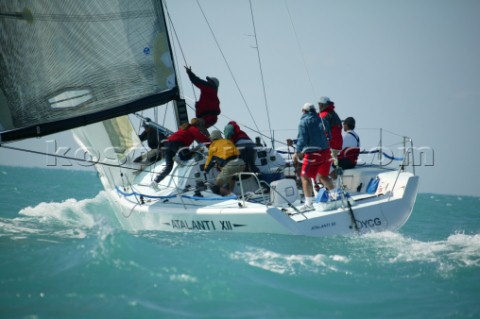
(66, 64)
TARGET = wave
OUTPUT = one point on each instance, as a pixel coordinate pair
(347, 255)
(458, 250)
(71, 218)
(289, 264)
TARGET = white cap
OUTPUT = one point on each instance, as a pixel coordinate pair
(308, 107)
(324, 100)
(215, 135)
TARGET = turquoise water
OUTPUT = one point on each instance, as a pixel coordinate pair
(65, 256)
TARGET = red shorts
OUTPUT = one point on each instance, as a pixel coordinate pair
(316, 163)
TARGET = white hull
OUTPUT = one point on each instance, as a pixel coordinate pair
(179, 204)
(376, 213)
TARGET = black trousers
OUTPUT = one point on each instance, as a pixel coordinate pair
(169, 150)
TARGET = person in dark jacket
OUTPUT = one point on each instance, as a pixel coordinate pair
(328, 115)
(244, 143)
(313, 148)
(182, 138)
(154, 138)
(207, 108)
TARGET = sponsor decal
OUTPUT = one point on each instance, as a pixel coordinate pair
(369, 223)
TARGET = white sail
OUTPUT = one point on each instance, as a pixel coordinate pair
(110, 144)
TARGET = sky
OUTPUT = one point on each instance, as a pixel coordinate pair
(411, 67)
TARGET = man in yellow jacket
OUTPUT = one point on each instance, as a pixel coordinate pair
(223, 154)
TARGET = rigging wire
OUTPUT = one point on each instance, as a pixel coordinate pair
(256, 130)
(244, 126)
(83, 160)
(175, 32)
(261, 74)
(300, 49)
(228, 66)
(172, 26)
(303, 59)
(68, 157)
(241, 124)
(65, 157)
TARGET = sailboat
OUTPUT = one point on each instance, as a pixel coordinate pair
(92, 66)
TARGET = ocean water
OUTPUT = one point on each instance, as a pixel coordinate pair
(63, 255)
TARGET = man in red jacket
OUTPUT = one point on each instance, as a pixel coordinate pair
(178, 140)
(328, 114)
(207, 108)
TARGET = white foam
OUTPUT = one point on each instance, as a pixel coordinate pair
(289, 264)
(70, 212)
(183, 278)
(69, 219)
(458, 250)
(445, 256)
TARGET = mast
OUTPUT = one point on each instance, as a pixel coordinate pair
(181, 114)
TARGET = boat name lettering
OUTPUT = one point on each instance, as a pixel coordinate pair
(226, 225)
(324, 225)
(201, 224)
(369, 223)
(193, 225)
